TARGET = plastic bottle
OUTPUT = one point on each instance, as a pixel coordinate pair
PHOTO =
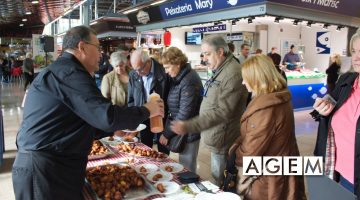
(156, 123)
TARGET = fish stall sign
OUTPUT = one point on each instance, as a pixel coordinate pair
(143, 17)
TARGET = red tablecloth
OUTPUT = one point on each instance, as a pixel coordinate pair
(89, 195)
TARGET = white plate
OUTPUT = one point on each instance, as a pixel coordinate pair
(150, 168)
(139, 128)
(122, 139)
(114, 142)
(176, 167)
(166, 176)
(170, 187)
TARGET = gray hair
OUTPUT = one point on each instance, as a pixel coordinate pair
(75, 35)
(117, 57)
(217, 42)
(28, 55)
(142, 53)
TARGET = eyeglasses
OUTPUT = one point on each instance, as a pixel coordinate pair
(95, 45)
(141, 69)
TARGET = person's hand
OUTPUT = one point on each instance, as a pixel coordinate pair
(178, 127)
(323, 106)
(155, 107)
(119, 133)
(163, 140)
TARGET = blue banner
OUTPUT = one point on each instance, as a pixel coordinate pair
(345, 7)
(189, 7)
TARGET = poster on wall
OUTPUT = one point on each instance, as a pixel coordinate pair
(323, 42)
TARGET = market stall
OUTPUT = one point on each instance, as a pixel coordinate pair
(150, 174)
(316, 29)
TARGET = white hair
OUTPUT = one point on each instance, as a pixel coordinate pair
(141, 54)
(117, 57)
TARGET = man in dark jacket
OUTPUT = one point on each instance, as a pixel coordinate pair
(63, 111)
(147, 77)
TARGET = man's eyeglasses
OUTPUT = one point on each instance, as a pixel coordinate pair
(95, 45)
(141, 69)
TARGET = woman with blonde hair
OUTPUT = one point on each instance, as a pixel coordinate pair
(333, 72)
(267, 129)
(338, 138)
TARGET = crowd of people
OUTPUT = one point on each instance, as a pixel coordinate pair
(244, 108)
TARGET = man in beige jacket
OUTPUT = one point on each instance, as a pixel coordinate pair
(223, 103)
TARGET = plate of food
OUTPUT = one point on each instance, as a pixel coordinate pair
(146, 168)
(128, 183)
(166, 187)
(98, 151)
(159, 176)
(111, 140)
(139, 128)
(171, 167)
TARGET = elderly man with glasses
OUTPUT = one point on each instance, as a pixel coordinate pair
(63, 112)
(147, 77)
(224, 101)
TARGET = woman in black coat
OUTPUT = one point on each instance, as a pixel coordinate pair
(333, 72)
(338, 139)
(183, 102)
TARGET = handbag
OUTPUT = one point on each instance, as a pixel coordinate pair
(177, 143)
(230, 174)
(234, 181)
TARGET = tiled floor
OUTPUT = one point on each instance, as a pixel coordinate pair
(11, 98)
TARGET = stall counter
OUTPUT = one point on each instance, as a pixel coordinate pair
(305, 86)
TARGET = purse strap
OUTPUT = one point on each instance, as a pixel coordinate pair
(230, 162)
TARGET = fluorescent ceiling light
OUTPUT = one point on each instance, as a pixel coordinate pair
(34, 2)
(130, 11)
(24, 20)
(21, 24)
(28, 13)
(158, 2)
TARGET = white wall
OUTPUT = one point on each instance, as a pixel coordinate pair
(276, 32)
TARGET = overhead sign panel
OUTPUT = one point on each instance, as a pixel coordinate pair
(345, 7)
(189, 7)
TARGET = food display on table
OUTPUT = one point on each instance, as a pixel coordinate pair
(98, 150)
(138, 151)
(156, 177)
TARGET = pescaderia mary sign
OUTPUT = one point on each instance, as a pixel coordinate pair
(189, 7)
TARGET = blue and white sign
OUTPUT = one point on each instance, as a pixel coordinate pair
(219, 27)
(323, 42)
(189, 7)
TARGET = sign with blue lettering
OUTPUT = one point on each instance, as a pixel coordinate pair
(323, 42)
(219, 27)
(345, 7)
(189, 7)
